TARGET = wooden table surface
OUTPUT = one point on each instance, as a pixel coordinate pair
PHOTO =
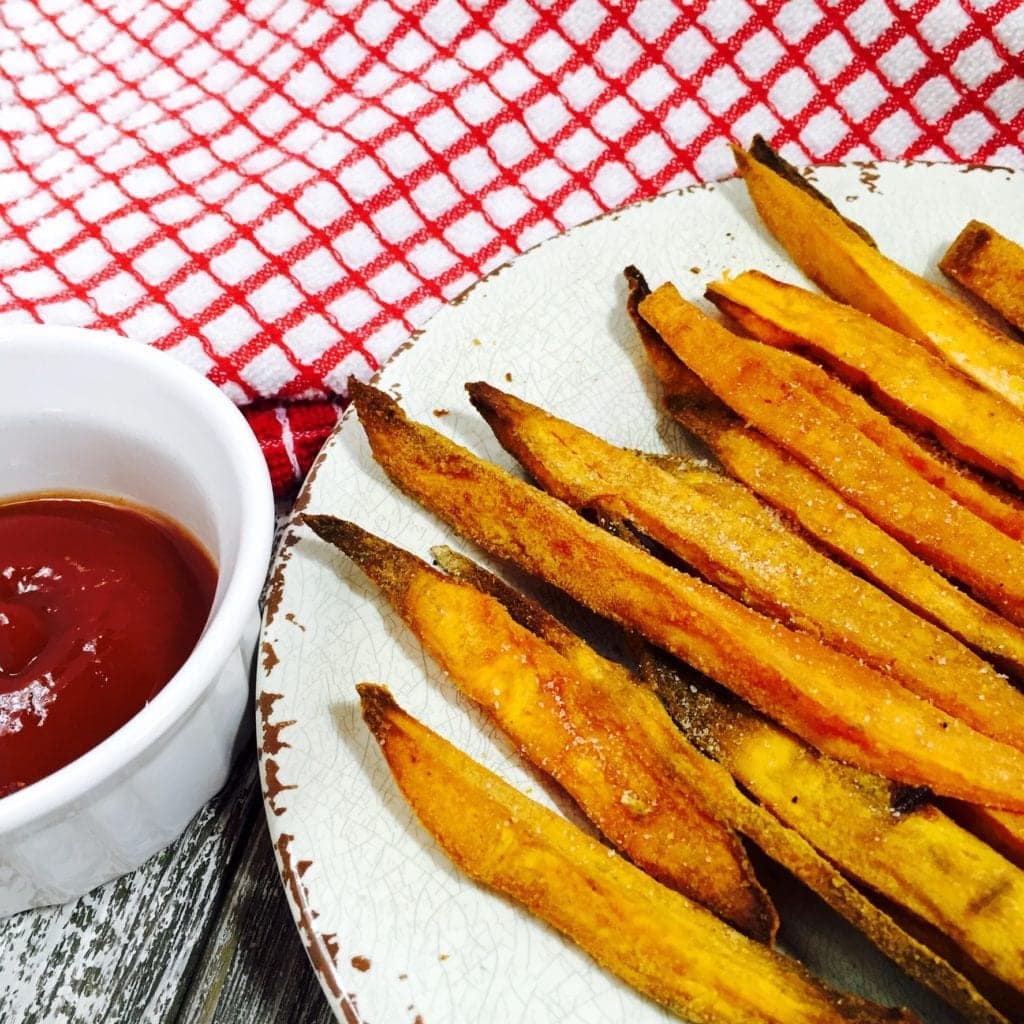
(201, 934)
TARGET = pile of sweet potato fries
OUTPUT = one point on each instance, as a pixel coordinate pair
(827, 628)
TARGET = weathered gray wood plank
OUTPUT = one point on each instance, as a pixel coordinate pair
(126, 951)
(254, 967)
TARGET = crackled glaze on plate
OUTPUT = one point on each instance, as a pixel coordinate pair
(394, 932)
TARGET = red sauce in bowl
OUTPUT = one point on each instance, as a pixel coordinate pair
(100, 605)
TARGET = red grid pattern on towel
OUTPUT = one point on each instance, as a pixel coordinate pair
(278, 192)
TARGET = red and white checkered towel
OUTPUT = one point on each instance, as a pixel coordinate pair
(280, 191)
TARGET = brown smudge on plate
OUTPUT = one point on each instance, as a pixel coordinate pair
(270, 738)
(274, 786)
(270, 658)
(271, 744)
(869, 179)
(275, 590)
(971, 168)
(361, 963)
(302, 498)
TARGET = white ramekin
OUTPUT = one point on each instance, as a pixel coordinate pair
(86, 411)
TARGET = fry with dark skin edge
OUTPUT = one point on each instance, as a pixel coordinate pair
(990, 266)
(839, 528)
(844, 531)
(606, 740)
(764, 154)
(675, 376)
(654, 939)
(798, 405)
(887, 838)
(721, 529)
(919, 859)
(912, 384)
(981, 497)
(777, 840)
(832, 701)
(846, 267)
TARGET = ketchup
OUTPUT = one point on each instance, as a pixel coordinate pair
(101, 602)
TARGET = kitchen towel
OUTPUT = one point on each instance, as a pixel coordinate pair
(280, 192)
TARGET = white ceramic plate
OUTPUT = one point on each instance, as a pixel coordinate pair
(394, 931)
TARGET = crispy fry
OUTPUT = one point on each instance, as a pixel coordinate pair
(677, 378)
(776, 839)
(842, 264)
(815, 418)
(721, 529)
(606, 740)
(844, 531)
(829, 699)
(994, 506)
(840, 528)
(910, 382)
(991, 266)
(919, 859)
(847, 533)
(877, 833)
(654, 939)
(764, 154)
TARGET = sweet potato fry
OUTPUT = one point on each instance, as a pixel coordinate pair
(654, 939)
(875, 832)
(919, 859)
(675, 376)
(721, 529)
(991, 266)
(836, 525)
(980, 497)
(605, 739)
(842, 264)
(849, 535)
(798, 405)
(830, 700)
(776, 839)
(772, 161)
(909, 381)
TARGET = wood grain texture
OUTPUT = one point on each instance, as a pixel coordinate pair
(254, 967)
(151, 946)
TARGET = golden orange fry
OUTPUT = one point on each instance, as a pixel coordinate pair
(831, 700)
(908, 380)
(730, 806)
(654, 939)
(919, 859)
(720, 528)
(991, 266)
(824, 425)
(845, 266)
(605, 739)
